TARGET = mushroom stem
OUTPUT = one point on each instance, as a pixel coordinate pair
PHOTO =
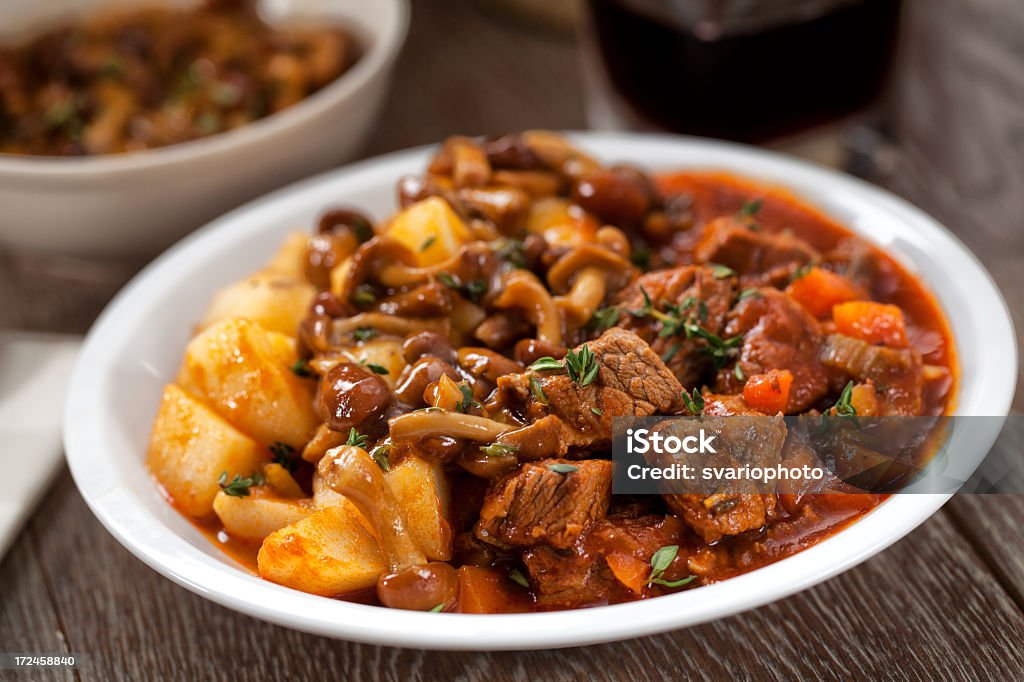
(524, 291)
(585, 296)
(443, 423)
(351, 472)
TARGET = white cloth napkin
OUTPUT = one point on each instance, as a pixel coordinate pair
(34, 374)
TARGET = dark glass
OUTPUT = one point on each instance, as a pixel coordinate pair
(779, 68)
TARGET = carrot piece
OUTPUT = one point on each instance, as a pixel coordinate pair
(489, 590)
(878, 323)
(629, 571)
(864, 400)
(819, 290)
(769, 392)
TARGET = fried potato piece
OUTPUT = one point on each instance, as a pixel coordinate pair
(330, 552)
(278, 302)
(259, 514)
(245, 373)
(191, 446)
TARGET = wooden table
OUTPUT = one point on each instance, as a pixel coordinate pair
(944, 602)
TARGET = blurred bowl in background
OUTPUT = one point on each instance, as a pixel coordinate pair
(136, 204)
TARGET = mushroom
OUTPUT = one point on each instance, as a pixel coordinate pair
(555, 152)
(411, 582)
(435, 422)
(464, 160)
(525, 292)
(583, 277)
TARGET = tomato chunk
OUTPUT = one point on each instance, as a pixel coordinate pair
(819, 290)
(769, 392)
(878, 323)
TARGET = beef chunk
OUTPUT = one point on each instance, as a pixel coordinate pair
(758, 257)
(583, 576)
(716, 516)
(706, 298)
(537, 505)
(897, 372)
(717, 509)
(779, 334)
(631, 381)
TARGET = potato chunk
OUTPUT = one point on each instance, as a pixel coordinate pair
(329, 553)
(259, 514)
(290, 259)
(245, 373)
(276, 301)
(422, 491)
(431, 230)
(191, 446)
(378, 354)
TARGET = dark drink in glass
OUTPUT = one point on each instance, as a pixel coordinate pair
(753, 71)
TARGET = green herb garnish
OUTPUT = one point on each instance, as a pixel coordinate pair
(641, 257)
(538, 391)
(364, 297)
(468, 402)
(516, 576)
(749, 293)
(721, 271)
(582, 366)
(301, 368)
(363, 333)
(377, 369)
(427, 243)
(671, 352)
(597, 410)
(695, 402)
(499, 450)
(380, 455)
(604, 318)
(660, 561)
(474, 290)
(843, 406)
(438, 609)
(546, 364)
(238, 486)
(284, 455)
(511, 251)
(737, 372)
(561, 468)
(749, 209)
(357, 439)
(801, 271)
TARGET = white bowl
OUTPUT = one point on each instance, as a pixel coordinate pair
(137, 204)
(137, 344)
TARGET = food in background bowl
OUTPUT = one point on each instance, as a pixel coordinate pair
(418, 413)
(137, 203)
(127, 80)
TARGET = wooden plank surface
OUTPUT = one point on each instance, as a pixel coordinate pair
(945, 602)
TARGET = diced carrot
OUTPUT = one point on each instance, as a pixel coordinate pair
(864, 400)
(878, 323)
(629, 571)
(819, 290)
(490, 590)
(769, 392)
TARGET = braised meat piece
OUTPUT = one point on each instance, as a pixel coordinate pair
(551, 502)
(898, 372)
(696, 293)
(611, 564)
(716, 516)
(717, 509)
(759, 257)
(779, 334)
(565, 415)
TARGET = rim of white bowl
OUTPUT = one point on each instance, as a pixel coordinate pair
(386, 42)
(121, 510)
